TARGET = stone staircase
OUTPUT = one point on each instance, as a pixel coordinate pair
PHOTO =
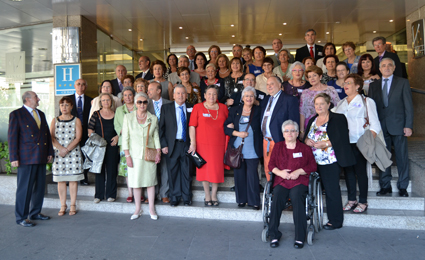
(384, 212)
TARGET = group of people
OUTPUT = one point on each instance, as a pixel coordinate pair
(294, 117)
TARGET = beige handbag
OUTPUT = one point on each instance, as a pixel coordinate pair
(150, 153)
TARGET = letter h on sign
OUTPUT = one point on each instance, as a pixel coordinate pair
(65, 76)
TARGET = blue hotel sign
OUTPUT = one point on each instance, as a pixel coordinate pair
(65, 76)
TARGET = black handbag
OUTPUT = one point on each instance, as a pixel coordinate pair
(234, 156)
(196, 159)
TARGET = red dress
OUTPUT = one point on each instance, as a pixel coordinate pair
(210, 141)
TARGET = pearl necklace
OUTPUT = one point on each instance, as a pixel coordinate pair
(141, 118)
(224, 72)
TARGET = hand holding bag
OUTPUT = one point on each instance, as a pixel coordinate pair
(150, 153)
(196, 159)
(234, 156)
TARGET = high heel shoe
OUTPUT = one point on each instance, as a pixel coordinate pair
(62, 210)
(72, 210)
(133, 217)
(153, 217)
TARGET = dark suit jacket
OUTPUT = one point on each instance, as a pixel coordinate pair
(234, 117)
(398, 68)
(168, 126)
(237, 97)
(86, 113)
(286, 108)
(338, 135)
(27, 143)
(115, 87)
(399, 113)
(148, 75)
(305, 52)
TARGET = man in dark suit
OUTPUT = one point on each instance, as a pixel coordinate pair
(117, 83)
(144, 66)
(311, 49)
(248, 81)
(175, 142)
(81, 109)
(277, 46)
(190, 52)
(276, 108)
(380, 44)
(154, 107)
(393, 99)
(30, 148)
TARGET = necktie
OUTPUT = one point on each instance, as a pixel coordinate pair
(37, 120)
(385, 93)
(143, 74)
(80, 109)
(191, 65)
(183, 121)
(121, 86)
(380, 58)
(157, 112)
(266, 117)
(311, 52)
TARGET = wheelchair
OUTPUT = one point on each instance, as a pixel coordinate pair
(313, 207)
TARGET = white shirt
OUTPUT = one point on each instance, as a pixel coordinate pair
(275, 98)
(30, 111)
(82, 100)
(355, 113)
(179, 121)
(390, 79)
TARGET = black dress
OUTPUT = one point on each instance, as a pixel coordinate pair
(111, 159)
(294, 91)
(232, 86)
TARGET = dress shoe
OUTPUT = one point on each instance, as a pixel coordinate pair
(39, 217)
(174, 203)
(133, 217)
(403, 193)
(330, 227)
(232, 188)
(255, 207)
(241, 205)
(111, 200)
(274, 243)
(26, 223)
(298, 245)
(84, 182)
(154, 217)
(384, 191)
(166, 200)
(188, 203)
(96, 200)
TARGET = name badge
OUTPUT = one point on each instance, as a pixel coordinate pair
(245, 120)
(189, 109)
(206, 115)
(320, 53)
(268, 113)
(240, 82)
(300, 90)
(297, 155)
(257, 71)
(339, 90)
(260, 96)
(217, 84)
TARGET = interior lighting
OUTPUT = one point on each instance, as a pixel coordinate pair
(129, 30)
(284, 23)
(180, 28)
(391, 21)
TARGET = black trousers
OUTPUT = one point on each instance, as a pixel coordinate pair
(330, 179)
(247, 186)
(31, 183)
(110, 170)
(359, 170)
(179, 179)
(297, 195)
(402, 159)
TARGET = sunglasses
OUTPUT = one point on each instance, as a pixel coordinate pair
(139, 102)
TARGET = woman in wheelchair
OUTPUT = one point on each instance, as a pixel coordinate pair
(292, 162)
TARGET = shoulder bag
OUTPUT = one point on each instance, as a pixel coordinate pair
(150, 153)
(234, 156)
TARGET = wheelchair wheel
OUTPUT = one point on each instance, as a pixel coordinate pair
(319, 198)
(310, 237)
(265, 207)
(265, 235)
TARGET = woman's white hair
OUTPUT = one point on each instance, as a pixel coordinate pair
(293, 66)
(289, 122)
(249, 88)
(141, 94)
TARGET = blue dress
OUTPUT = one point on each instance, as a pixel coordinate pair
(340, 90)
(255, 70)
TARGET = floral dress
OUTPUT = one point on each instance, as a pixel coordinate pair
(319, 133)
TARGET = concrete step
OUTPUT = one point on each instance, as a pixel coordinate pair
(226, 196)
(372, 218)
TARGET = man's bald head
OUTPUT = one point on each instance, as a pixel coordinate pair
(80, 86)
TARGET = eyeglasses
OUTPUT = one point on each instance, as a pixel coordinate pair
(300, 70)
(105, 100)
(252, 80)
(348, 83)
(290, 131)
(139, 102)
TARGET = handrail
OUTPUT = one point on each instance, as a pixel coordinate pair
(416, 90)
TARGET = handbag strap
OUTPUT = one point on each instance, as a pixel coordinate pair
(101, 125)
(249, 123)
(367, 113)
(147, 137)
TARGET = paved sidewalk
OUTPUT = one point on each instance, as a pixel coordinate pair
(94, 235)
